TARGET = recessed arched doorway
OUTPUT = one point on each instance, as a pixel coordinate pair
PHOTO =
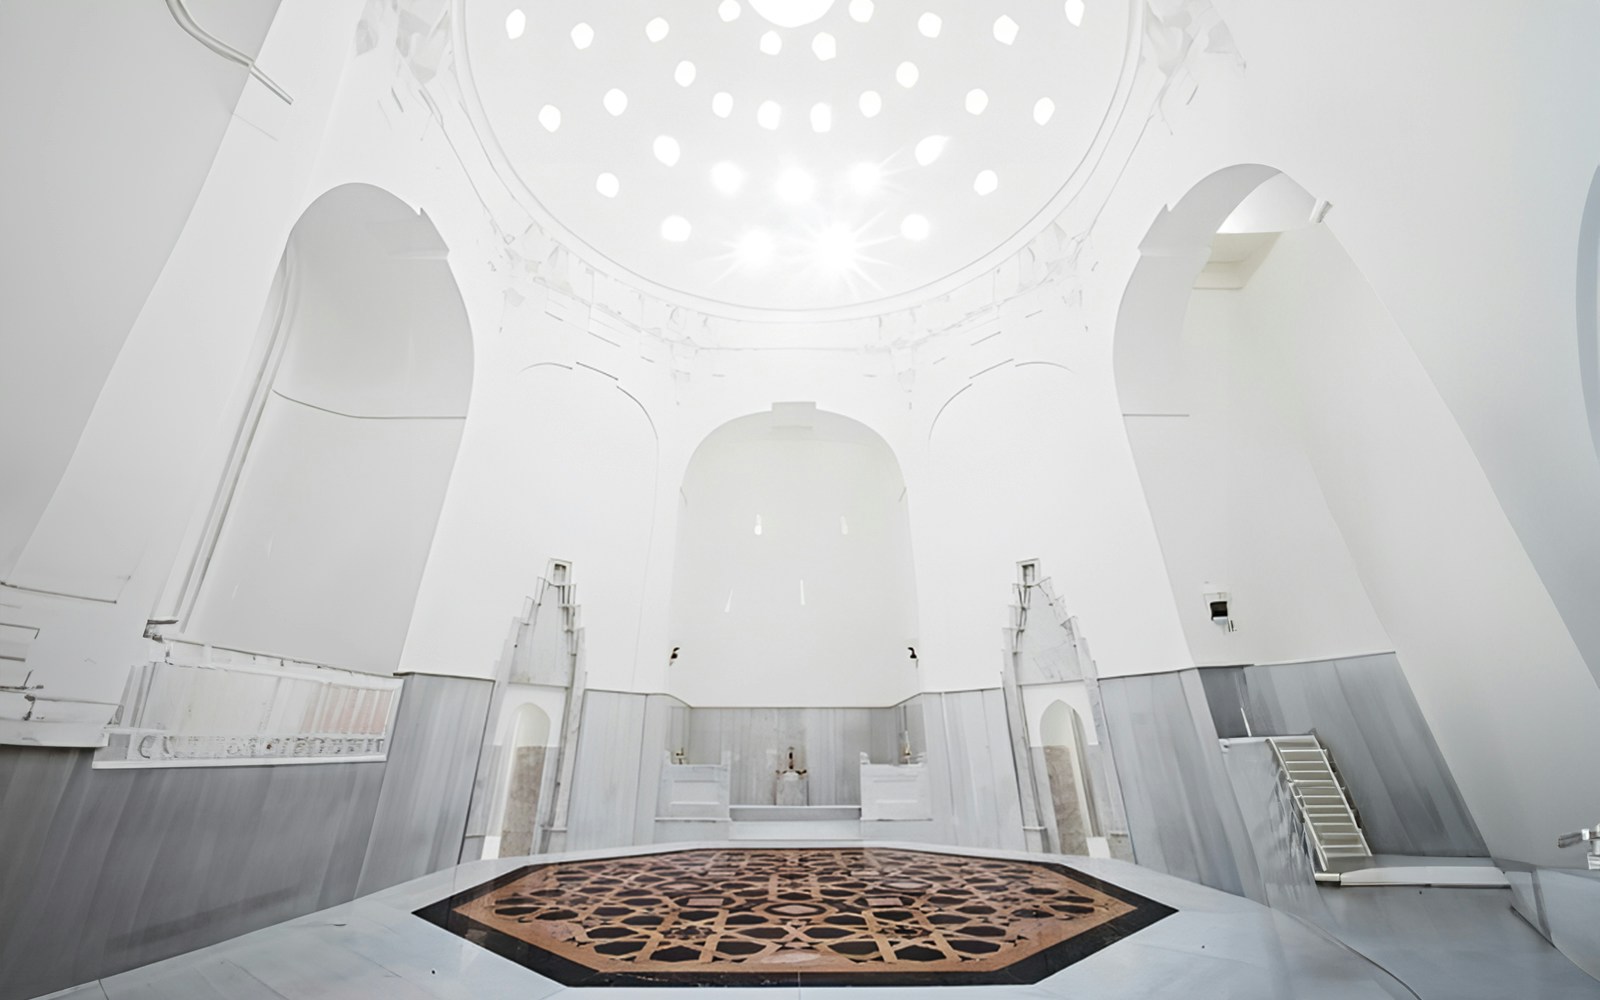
(1061, 735)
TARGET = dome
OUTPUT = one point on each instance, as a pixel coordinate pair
(796, 156)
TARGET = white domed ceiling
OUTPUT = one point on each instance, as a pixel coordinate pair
(797, 154)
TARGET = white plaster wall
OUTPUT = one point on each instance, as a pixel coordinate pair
(148, 452)
(1435, 157)
(1029, 463)
(557, 462)
(1237, 505)
(324, 544)
(817, 609)
(123, 86)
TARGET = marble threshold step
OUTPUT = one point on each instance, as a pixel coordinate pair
(1398, 870)
(804, 814)
(814, 830)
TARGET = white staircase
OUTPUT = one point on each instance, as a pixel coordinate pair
(1332, 829)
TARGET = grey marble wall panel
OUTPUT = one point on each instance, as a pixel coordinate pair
(428, 780)
(1288, 880)
(605, 778)
(656, 738)
(828, 743)
(103, 871)
(1570, 907)
(974, 779)
(915, 727)
(1224, 687)
(1182, 815)
(1364, 711)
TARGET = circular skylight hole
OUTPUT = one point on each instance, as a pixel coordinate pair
(865, 178)
(914, 227)
(615, 101)
(905, 74)
(791, 13)
(675, 229)
(1043, 109)
(516, 24)
(722, 104)
(795, 186)
(821, 118)
(607, 185)
(550, 117)
(771, 43)
(728, 10)
(1075, 12)
(986, 182)
(666, 149)
(977, 101)
(861, 10)
(727, 177)
(755, 248)
(684, 74)
(930, 149)
(657, 29)
(582, 35)
(871, 103)
(836, 247)
(930, 24)
(1005, 29)
(824, 47)
(769, 115)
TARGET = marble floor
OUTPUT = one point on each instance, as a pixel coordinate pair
(823, 916)
(1212, 945)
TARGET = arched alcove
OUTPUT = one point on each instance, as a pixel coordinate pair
(1061, 735)
(793, 581)
(1208, 388)
(324, 519)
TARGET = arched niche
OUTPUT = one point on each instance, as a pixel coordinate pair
(1062, 738)
(1347, 510)
(793, 582)
(323, 522)
(1210, 384)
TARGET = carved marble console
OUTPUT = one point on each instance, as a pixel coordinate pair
(692, 803)
(895, 791)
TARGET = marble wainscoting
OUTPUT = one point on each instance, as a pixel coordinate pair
(1183, 818)
(1563, 905)
(428, 779)
(828, 743)
(1189, 810)
(107, 870)
(972, 776)
(1365, 713)
(622, 743)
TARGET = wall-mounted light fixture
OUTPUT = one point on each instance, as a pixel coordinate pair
(1218, 607)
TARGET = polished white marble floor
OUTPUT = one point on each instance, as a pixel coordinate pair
(1217, 945)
